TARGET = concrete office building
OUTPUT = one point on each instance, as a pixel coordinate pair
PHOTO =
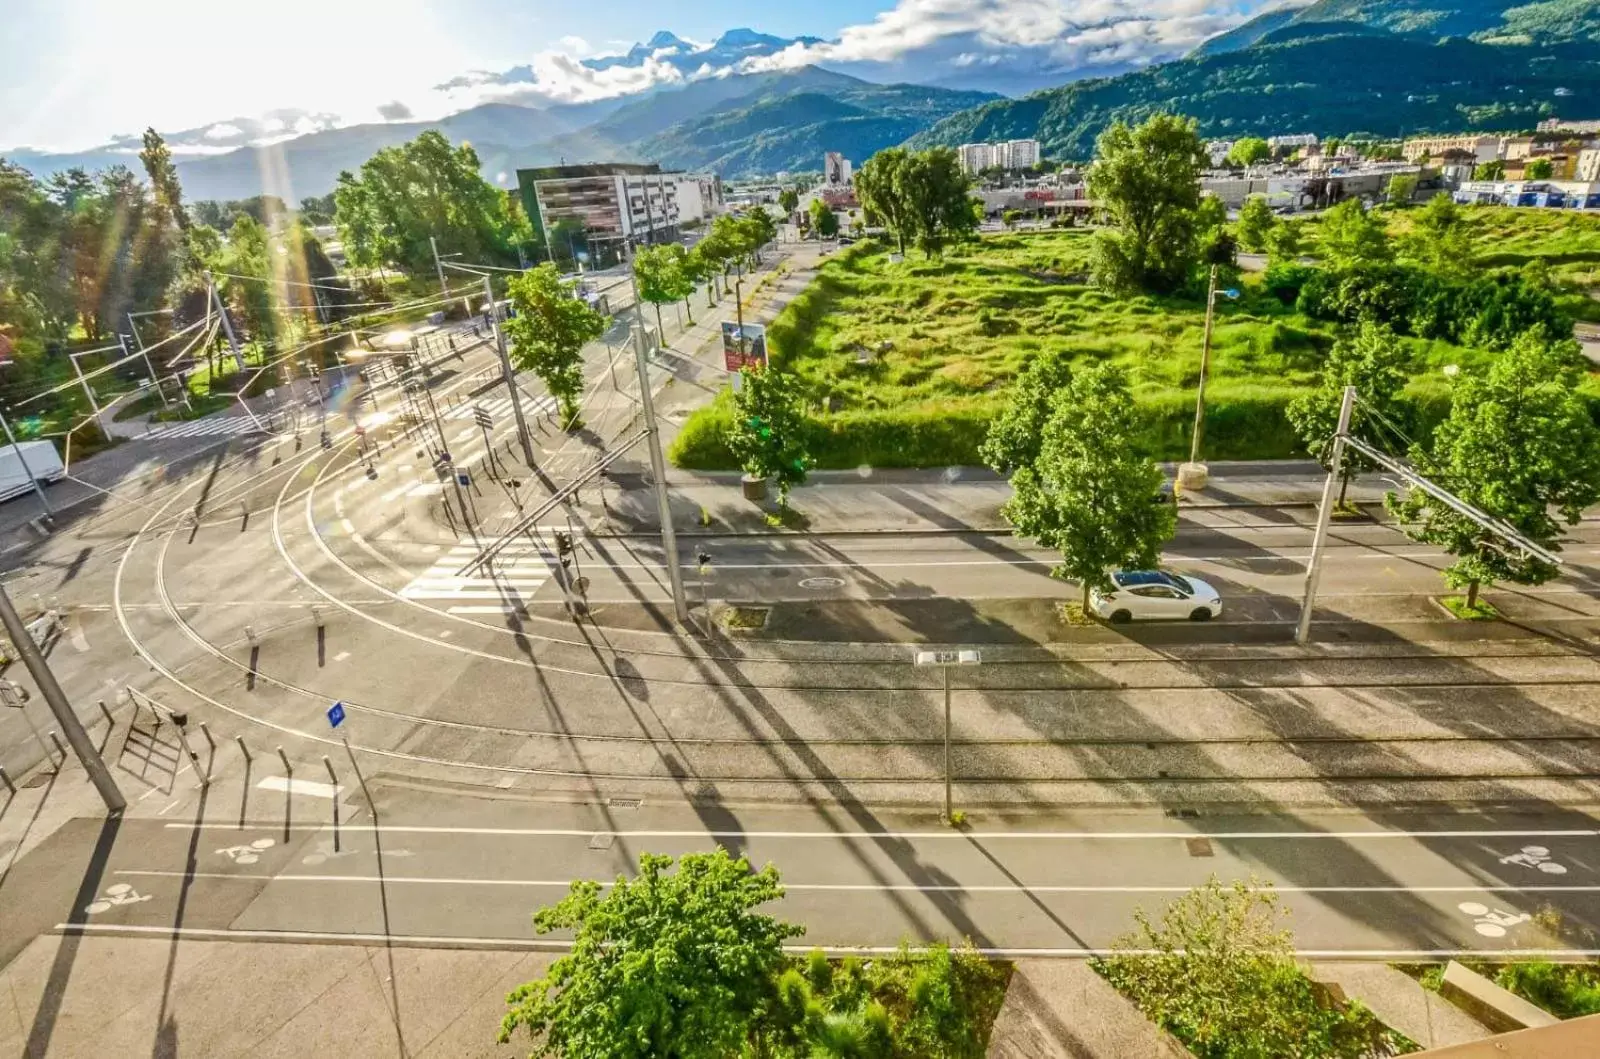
(617, 204)
(1006, 154)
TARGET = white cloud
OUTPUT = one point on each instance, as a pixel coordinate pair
(223, 131)
(574, 45)
(559, 77)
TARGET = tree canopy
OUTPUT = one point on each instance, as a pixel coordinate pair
(1351, 235)
(548, 334)
(1148, 178)
(768, 435)
(405, 194)
(1372, 360)
(1089, 494)
(1256, 221)
(1017, 433)
(665, 965)
(823, 220)
(918, 196)
(1248, 151)
(1519, 445)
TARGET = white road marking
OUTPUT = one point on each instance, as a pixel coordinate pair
(945, 834)
(518, 572)
(499, 408)
(540, 945)
(310, 788)
(977, 888)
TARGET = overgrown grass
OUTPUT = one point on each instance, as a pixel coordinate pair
(1566, 990)
(908, 362)
(1479, 611)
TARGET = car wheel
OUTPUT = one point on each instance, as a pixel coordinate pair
(1200, 614)
(1121, 617)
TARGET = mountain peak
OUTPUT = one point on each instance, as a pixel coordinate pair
(666, 39)
(747, 38)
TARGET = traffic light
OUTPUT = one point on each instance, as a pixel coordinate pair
(327, 442)
(703, 558)
(564, 548)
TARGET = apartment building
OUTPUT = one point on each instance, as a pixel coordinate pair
(1482, 148)
(616, 203)
(1006, 154)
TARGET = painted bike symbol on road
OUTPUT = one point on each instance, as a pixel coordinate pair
(1536, 857)
(116, 894)
(1492, 924)
(247, 854)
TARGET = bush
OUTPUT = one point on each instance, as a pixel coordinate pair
(1283, 280)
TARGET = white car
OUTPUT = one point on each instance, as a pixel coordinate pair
(1154, 595)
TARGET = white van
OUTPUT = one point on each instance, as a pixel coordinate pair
(41, 460)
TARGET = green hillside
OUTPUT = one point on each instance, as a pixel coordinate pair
(792, 131)
(1310, 77)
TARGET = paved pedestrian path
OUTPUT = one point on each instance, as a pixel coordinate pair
(211, 426)
(515, 576)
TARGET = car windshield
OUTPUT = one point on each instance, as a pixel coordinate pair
(1136, 578)
(1180, 582)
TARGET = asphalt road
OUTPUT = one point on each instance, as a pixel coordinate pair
(1406, 886)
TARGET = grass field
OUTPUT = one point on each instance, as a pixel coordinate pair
(907, 362)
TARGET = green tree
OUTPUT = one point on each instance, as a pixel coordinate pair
(759, 229)
(1372, 360)
(1148, 178)
(768, 435)
(1256, 221)
(1017, 433)
(1519, 445)
(788, 201)
(666, 965)
(1401, 187)
(1009, 218)
(1494, 169)
(1088, 494)
(1538, 169)
(164, 183)
(936, 191)
(823, 220)
(1248, 151)
(1351, 235)
(1441, 239)
(1218, 972)
(657, 273)
(879, 186)
(548, 334)
(699, 267)
(1283, 243)
(405, 194)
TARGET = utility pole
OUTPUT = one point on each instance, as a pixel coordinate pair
(505, 371)
(33, 658)
(37, 488)
(227, 324)
(154, 381)
(89, 392)
(658, 468)
(1302, 630)
(439, 265)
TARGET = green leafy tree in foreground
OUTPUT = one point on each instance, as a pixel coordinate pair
(656, 271)
(1218, 972)
(1372, 360)
(1519, 445)
(1017, 433)
(1148, 178)
(1401, 187)
(878, 186)
(769, 428)
(666, 965)
(1283, 243)
(1089, 493)
(1441, 238)
(548, 334)
(1248, 151)
(1538, 169)
(1256, 221)
(1351, 235)
(823, 220)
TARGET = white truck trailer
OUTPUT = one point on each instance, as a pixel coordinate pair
(41, 462)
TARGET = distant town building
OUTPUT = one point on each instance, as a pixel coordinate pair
(835, 170)
(1218, 151)
(1482, 148)
(1551, 194)
(1588, 168)
(1005, 154)
(1291, 143)
(1582, 128)
(616, 204)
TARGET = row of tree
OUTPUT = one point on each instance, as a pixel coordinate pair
(919, 197)
(669, 272)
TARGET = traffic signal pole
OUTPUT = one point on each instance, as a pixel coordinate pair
(658, 468)
(505, 371)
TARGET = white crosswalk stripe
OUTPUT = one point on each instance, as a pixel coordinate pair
(518, 572)
(500, 407)
(209, 427)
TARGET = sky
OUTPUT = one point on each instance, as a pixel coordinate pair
(97, 69)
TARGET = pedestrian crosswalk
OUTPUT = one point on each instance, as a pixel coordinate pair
(499, 408)
(211, 426)
(511, 580)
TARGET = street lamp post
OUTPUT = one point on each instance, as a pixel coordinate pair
(946, 660)
(1192, 475)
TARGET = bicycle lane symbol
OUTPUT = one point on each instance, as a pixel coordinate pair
(114, 895)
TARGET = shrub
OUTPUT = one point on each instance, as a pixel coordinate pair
(1283, 280)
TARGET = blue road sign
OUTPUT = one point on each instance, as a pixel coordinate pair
(463, 478)
(336, 714)
(1232, 292)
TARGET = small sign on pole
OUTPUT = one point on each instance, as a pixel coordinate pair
(336, 714)
(743, 347)
(482, 417)
(463, 478)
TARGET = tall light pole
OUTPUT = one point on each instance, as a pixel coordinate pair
(1192, 475)
(1302, 630)
(506, 373)
(658, 468)
(77, 738)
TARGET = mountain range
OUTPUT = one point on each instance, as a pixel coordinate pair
(1381, 67)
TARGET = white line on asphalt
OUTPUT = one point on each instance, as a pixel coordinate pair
(307, 787)
(976, 888)
(962, 836)
(864, 950)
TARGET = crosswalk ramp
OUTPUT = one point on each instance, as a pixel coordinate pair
(212, 426)
(499, 408)
(510, 581)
